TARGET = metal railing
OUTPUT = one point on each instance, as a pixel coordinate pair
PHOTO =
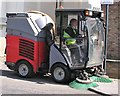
(111, 60)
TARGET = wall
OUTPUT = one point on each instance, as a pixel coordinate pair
(113, 68)
(114, 31)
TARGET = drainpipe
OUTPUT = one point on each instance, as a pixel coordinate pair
(106, 36)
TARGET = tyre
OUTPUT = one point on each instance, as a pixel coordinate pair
(24, 69)
(60, 73)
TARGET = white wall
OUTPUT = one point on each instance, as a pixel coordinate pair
(5, 7)
(2, 29)
(8, 7)
(48, 8)
(2, 20)
(28, 6)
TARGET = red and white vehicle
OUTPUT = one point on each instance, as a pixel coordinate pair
(28, 53)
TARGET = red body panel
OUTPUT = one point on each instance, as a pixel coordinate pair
(13, 51)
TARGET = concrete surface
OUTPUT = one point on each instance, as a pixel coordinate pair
(12, 84)
(108, 88)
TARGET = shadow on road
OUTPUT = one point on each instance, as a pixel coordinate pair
(37, 78)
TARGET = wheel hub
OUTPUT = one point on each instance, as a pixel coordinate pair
(59, 73)
(23, 70)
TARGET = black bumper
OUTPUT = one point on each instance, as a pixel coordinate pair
(11, 65)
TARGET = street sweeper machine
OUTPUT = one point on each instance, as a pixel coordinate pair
(70, 48)
(36, 44)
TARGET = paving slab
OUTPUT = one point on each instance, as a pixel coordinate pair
(107, 88)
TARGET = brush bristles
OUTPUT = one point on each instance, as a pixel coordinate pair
(101, 79)
(78, 85)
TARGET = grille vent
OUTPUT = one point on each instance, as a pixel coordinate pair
(26, 49)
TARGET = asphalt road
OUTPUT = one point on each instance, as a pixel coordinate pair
(11, 83)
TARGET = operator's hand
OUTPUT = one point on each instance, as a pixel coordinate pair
(81, 36)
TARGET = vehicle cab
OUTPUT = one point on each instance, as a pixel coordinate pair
(90, 40)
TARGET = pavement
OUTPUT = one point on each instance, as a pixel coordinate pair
(108, 88)
(11, 83)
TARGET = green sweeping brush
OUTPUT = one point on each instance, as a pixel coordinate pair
(101, 79)
(77, 85)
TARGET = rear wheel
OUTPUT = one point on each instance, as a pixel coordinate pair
(24, 69)
(61, 73)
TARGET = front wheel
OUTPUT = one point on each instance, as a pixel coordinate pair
(24, 69)
(60, 73)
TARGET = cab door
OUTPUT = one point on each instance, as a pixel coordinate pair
(96, 42)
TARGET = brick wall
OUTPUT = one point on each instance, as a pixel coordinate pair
(114, 30)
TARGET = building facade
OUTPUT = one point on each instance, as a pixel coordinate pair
(114, 31)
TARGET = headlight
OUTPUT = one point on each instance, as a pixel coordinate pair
(88, 13)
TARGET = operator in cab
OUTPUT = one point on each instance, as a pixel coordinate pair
(71, 32)
(70, 35)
